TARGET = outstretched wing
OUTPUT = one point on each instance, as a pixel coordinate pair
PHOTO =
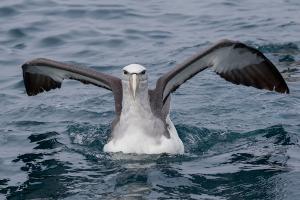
(43, 75)
(233, 61)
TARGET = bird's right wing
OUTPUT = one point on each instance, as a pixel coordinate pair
(43, 75)
(233, 61)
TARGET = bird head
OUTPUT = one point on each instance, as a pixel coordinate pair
(135, 74)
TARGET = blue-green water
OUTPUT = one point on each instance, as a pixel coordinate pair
(241, 143)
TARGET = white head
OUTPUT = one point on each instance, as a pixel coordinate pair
(135, 74)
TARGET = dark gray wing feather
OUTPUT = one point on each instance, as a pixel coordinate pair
(43, 75)
(234, 61)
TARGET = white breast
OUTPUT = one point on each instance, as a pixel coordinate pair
(139, 131)
(133, 135)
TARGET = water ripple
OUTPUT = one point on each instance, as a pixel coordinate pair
(51, 41)
(8, 12)
(240, 143)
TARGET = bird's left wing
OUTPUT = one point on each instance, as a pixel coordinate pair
(44, 74)
(233, 61)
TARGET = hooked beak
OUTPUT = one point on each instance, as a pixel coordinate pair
(134, 82)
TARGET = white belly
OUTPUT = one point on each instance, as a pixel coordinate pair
(144, 135)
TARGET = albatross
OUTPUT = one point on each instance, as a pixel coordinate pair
(142, 124)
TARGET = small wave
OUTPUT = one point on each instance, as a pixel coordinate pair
(114, 13)
(17, 33)
(279, 48)
(75, 13)
(48, 144)
(154, 34)
(8, 12)
(286, 58)
(3, 182)
(199, 140)
(107, 43)
(230, 3)
(29, 157)
(51, 41)
(42, 136)
(289, 24)
(20, 46)
(28, 123)
(41, 172)
(86, 53)
(89, 135)
(45, 140)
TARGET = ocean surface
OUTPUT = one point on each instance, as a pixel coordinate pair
(240, 142)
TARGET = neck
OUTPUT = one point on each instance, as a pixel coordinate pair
(141, 100)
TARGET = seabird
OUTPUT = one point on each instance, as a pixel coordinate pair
(142, 124)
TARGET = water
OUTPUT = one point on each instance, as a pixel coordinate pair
(241, 143)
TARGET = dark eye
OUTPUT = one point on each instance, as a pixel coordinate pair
(143, 72)
(125, 72)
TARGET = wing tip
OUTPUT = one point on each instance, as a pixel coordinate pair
(279, 84)
(283, 88)
(36, 83)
